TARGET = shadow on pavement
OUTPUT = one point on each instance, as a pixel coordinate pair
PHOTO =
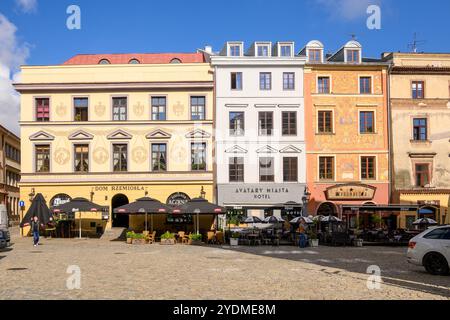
(394, 267)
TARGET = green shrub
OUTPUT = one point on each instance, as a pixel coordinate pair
(130, 234)
(235, 235)
(167, 236)
(195, 237)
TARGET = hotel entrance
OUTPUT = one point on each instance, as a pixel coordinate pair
(120, 220)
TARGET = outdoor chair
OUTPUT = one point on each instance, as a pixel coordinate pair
(220, 238)
(181, 235)
(211, 237)
(185, 239)
(152, 238)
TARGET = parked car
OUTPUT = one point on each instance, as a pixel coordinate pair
(431, 249)
(5, 239)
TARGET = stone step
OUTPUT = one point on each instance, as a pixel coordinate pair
(114, 234)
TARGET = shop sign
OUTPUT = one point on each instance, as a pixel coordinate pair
(119, 188)
(435, 203)
(350, 192)
(59, 199)
(178, 199)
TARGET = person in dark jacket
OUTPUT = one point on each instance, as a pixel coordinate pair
(35, 230)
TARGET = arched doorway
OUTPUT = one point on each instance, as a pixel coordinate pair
(327, 209)
(120, 220)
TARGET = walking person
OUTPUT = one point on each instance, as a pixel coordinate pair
(35, 225)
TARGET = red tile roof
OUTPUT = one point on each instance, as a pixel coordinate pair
(144, 58)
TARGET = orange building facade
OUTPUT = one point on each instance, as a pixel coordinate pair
(347, 137)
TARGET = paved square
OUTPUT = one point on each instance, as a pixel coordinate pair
(115, 270)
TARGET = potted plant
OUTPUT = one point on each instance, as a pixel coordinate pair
(167, 238)
(358, 242)
(313, 239)
(234, 239)
(130, 235)
(138, 238)
(195, 239)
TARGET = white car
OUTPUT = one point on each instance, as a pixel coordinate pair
(431, 249)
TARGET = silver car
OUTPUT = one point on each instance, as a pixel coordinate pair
(431, 249)
(4, 225)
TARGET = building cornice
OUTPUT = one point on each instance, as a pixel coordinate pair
(47, 87)
(257, 61)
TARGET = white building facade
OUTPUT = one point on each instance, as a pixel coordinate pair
(260, 136)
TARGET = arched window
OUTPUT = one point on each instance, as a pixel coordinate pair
(134, 61)
(327, 209)
(175, 60)
(104, 61)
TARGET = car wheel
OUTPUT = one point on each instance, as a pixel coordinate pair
(436, 264)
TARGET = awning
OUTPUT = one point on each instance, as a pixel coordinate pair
(390, 208)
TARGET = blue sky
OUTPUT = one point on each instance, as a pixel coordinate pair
(34, 32)
(180, 25)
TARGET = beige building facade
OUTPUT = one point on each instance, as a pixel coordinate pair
(420, 118)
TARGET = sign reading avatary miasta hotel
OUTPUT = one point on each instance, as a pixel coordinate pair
(350, 192)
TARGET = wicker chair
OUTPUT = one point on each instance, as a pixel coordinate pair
(211, 237)
(220, 238)
(152, 237)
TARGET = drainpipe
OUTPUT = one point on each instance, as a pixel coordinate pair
(389, 119)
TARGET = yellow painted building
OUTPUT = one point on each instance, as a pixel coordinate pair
(420, 117)
(114, 128)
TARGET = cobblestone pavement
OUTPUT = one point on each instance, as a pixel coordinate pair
(115, 270)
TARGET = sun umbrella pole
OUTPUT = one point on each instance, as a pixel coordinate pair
(151, 218)
(146, 222)
(80, 224)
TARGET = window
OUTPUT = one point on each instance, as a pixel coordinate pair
(237, 123)
(119, 109)
(158, 108)
(43, 109)
(263, 51)
(175, 60)
(315, 55)
(120, 157)
(266, 169)
(326, 168)
(422, 173)
(323, 84)
(353, 56)
(290, 169)
(12, 153)
(104, 61)
(198, 108)
(418, 89)
(159, 157)
(325, 121)
(235, 50)
(265, 81)
(289, 123)
(42, 157)
(265, 125)
(236, 169)
(198, 156)
(438, 234)
(236, 81)
(134, 61)
(82, 158)
(81, 106)
(420, 129)
(365, 85)
(366, 122)
(286, 51)
(368, 168)
(288, 81)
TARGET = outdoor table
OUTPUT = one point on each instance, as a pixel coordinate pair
(252, 237)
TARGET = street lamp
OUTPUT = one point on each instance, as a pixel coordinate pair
(306, 197)
(203, 193)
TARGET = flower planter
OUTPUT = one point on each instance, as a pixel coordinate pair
(129, 240)
(167, 242)
(234, 242)
(138, 241)
(195, 242)
(358, 242)
(314, 243)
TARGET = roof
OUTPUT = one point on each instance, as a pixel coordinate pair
(420, 70)
(144, 58)
(9, 132)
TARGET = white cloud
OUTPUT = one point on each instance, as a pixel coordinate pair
(12, 55)
(347, 9)
(27, 6)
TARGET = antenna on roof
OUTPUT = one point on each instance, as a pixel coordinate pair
(414, 46)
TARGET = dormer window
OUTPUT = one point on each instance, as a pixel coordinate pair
(263, 50)
(353, 56)
(235, 50)
(175, 60)
(286, 50)
(134, 61)
(315, 55)
(104, 61)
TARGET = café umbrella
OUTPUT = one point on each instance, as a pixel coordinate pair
(147, 206)
(38, 209)
(199, 206)
(273, 219)
(252, 220)
(298, 220)
(425, 221)
(78, 205)
(330, 219)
